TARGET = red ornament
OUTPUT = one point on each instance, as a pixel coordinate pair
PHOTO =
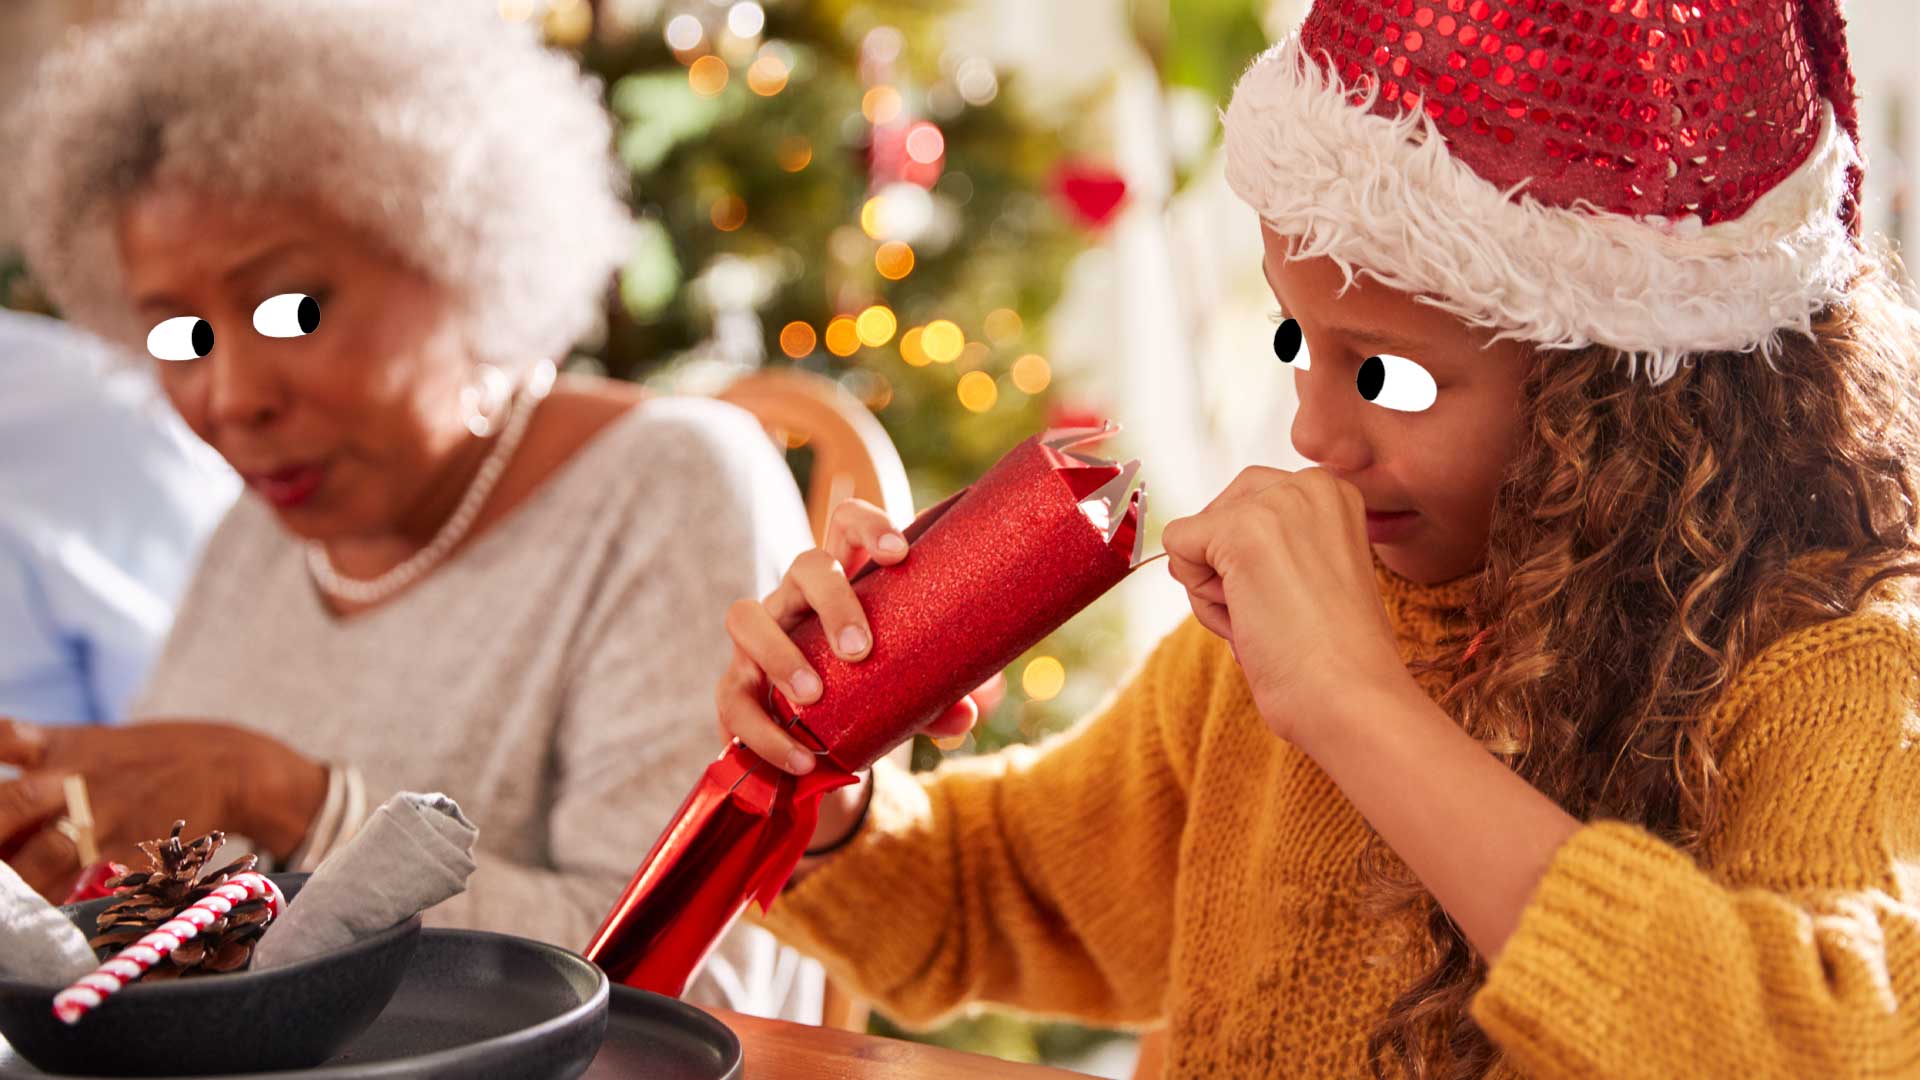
(1093, 194)
(993, 570)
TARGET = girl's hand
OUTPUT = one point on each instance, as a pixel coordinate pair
(1279, 566)
(763, 652)
(143, 777)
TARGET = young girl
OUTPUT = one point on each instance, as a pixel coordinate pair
(1562, 722)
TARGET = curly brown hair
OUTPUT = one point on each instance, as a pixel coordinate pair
(1646, 543)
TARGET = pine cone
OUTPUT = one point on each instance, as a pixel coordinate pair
(148, 898)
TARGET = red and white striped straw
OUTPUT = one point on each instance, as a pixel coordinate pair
(103, 982)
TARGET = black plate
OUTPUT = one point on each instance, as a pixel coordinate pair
(650, 1037)
(472, 1005)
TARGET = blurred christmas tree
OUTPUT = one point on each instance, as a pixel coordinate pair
(822, 184)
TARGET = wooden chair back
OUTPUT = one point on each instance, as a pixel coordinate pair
(852, 455)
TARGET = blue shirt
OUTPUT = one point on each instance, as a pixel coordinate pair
(105, 500)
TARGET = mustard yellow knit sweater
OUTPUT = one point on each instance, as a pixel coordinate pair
(1172, 861)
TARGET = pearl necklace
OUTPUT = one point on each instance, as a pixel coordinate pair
(353, 591)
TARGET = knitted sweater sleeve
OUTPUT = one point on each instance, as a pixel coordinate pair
(1037, 877)
(1798, 955)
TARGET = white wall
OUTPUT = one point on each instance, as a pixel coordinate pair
(1884, 36)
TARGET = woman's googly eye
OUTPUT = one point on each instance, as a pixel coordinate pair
(287, 315)
(1290, 345)
(183, 337)
(1396, 382)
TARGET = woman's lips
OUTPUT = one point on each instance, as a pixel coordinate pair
(1385, 528)
(288, 487)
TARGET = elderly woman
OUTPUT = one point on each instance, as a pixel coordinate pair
(353, 237)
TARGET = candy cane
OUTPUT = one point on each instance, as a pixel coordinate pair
(91, 989)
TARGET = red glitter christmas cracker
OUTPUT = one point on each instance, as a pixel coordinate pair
(989, 573)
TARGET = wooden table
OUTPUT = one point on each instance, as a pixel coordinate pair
(777, 1050)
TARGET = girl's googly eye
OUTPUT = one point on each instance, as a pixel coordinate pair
(1290, 345)
(1395, 382)
(183, 337)
(287, 315)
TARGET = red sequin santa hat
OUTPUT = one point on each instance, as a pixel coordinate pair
(1662, 178)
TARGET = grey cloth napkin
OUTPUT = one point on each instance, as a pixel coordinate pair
(37, 943)
(412, 853)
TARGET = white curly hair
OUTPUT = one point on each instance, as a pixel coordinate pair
(481, 157)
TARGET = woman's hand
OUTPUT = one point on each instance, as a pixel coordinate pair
(1279, 566)
(141, 778)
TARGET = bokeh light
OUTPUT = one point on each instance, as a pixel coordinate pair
(943, 341)
(911, 348)
(876, 326)
(894, 260)
(901, 211)
(797, 340)
(974, 356)
(881, 105)
(925, 144)
(1032, 374)
(978, 391)
(870, 216)
(516, 10)
(1003, 325)
(729, 213)
(795, 153)
(684, 33)
(883, 44)
(842, 338)
(1044, 678)
(767, 76)
(708, 76)
(976, 81)
(746, 19)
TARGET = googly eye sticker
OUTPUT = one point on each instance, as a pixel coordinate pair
(1290, 345)
(287, 315)
(183, 337)
(1395, 382)
(1392, 382)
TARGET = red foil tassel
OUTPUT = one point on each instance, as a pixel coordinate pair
(990, 572)
(92, 882)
